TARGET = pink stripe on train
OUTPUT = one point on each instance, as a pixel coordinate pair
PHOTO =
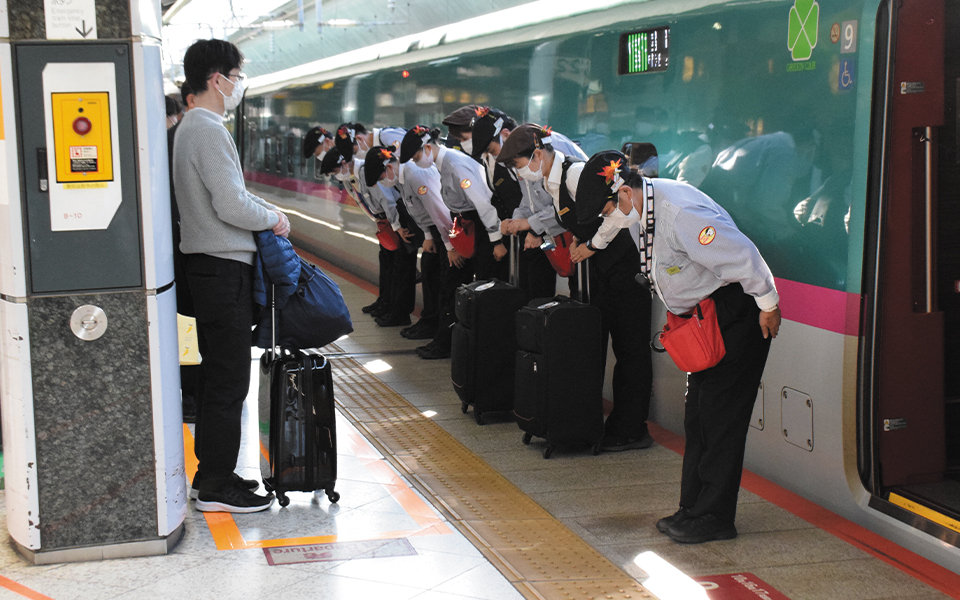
(820, 307)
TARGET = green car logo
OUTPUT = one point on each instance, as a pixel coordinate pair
(802, 28)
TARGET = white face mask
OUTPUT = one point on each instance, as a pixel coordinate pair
(622, 221)
(525, 173)
(390, 181)
(341, 177)
(361, 148)
(425, 160)
(467, 146)
(232, 101)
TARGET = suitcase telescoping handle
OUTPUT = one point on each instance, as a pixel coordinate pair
(514, 260)
(580, 282)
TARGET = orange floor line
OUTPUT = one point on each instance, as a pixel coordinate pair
(23, 590)
(860, 537)
(227, 536)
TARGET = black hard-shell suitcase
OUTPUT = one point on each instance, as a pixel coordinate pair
(297, 415)
(482, 346)
(559, 373)
(296, 389)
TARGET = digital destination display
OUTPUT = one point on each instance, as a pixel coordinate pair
(646, 51)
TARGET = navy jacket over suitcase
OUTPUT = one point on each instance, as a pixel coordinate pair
(296, 407)
(559, 373)
(483, 345)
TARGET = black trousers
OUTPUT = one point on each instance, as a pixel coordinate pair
(222, 294)
(718, 407)
(403, 281)
(536, 278)
(430, 271)
(386, 259)
(625, 321)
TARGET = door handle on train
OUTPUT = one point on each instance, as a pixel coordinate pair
(925, 137)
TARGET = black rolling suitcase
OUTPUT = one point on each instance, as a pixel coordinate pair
(297, 411)
(483, 343)
(559, 372)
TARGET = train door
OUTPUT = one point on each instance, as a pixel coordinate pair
(912, 285)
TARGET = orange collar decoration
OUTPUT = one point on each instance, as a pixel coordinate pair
(386, 154)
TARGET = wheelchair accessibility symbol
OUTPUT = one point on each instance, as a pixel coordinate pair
(846, 76)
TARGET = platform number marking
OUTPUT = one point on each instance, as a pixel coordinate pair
(802, 29)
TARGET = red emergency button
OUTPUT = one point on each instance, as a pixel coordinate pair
(82, 125)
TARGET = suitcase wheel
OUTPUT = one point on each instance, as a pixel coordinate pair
(596, 449)
(478, 416)
(333, 496)
(464, 406)
(267, 486)
(547, 451)
(526, 438)
(282, 498)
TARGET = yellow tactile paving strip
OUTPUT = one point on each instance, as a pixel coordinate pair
(537, 553)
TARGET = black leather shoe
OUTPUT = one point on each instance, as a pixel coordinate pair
(614, 444)
(372, 307)
(665, 523)
(392, 320)
(419, 331)
(433, 351)
(697, 530)
(382, 311)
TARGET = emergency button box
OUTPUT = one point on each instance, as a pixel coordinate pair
(81, 136)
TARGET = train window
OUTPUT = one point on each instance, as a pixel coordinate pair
(646, 51)
(643, 155)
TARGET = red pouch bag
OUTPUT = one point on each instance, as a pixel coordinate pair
(387, 236)
(693, 341)
(559, 257)
(462, 237)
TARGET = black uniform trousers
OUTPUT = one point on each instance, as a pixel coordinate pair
(719, 403)
(387, 260)
(453, 277)
(431, 267)
(222, 294)
(537, 278)
(625, 321)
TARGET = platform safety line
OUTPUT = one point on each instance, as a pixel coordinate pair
(857, 536)
(227, 536)
(21, 589)
(514, 556)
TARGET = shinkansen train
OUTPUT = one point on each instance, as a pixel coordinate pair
(828, 129)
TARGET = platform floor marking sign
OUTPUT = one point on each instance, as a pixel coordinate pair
(738, 586)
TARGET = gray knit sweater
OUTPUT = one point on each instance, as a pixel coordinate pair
(217, 213)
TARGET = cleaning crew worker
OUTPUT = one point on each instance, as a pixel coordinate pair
(693, 250)
(467, 197)
(624, 304)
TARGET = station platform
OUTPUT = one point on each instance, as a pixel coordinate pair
(434, 506)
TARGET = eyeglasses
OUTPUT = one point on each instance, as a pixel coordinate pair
(234, 78)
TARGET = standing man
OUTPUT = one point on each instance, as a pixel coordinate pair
(217, 219)
(693, 250)
(624, 305)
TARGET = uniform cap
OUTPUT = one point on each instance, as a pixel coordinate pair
(376, 163)
(602, 176)
(331, 161)
(313, 139)
(415, 139)
(344, 140)
(523, 141)
(487, 125)
(462, 117)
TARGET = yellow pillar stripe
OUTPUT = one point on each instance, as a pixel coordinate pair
(925, 512)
